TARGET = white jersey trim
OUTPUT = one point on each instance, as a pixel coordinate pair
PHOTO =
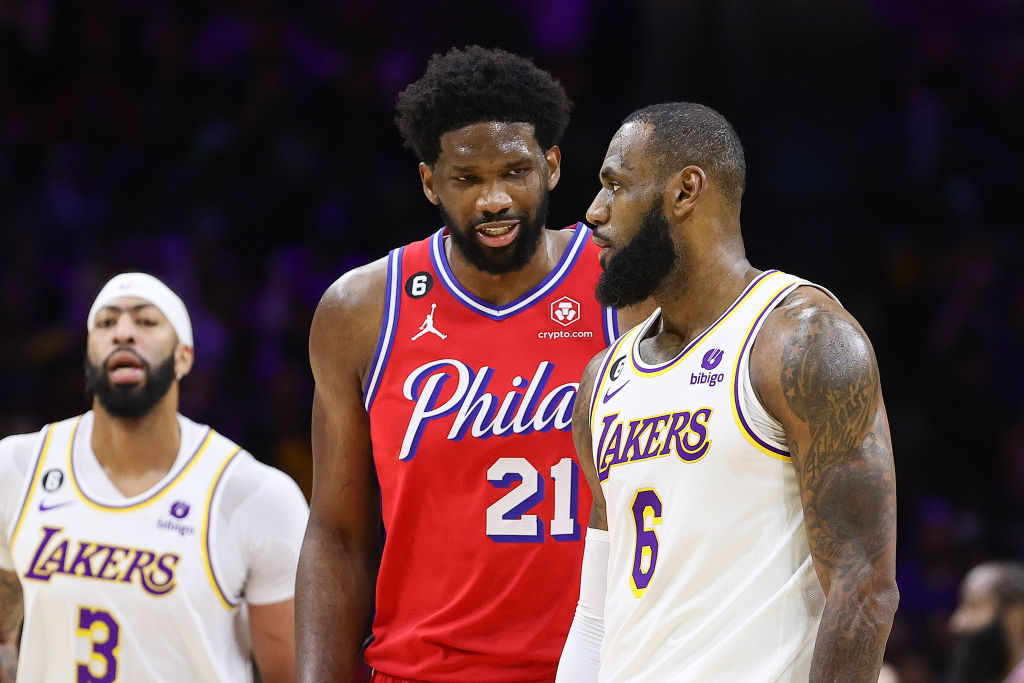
(388, 326)
(553, 279)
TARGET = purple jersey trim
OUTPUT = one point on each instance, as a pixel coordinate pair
(599, 381)
(155, 494)
(645, 369)
(209, 523)
(611, 325)
(545, 287)
(736, 379)
(387, 327)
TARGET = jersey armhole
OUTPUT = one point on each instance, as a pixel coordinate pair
(33, 480)
(763, 431)
(389, 323)
(599, 382)
(208, 541)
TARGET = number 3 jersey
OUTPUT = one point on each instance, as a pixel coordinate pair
(483, 502)
(710, 576)
(147, 588)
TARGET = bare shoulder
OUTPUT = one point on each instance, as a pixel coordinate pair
(590, 373)
(584, 394)
(581, 409)
(807, 308)
(347, 320)
(809, 336)
(357, 292)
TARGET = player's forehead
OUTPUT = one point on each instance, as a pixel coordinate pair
(487, 142)
(627, 150)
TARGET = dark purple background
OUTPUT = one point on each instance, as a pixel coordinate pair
(245, 153)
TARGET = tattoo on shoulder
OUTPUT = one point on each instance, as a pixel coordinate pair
(830, 378)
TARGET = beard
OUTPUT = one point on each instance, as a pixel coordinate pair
(641, 266)
(979, 657)
(498, 260)
(129, 401)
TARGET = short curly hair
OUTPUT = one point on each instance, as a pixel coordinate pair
(477, 84)
(684, 133)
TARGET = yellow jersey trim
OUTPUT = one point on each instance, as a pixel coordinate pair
(207, 517)
(740, 424)
(149, 499)
(661, 369)
(34, 482)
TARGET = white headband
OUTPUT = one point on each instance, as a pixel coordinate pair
(152, 290)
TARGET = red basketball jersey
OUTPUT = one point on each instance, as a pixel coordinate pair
(483, 501)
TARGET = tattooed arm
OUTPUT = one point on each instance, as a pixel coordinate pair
(11, 611)
(813, 368)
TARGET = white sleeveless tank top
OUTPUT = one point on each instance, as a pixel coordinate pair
(710, 577)
(125, 590)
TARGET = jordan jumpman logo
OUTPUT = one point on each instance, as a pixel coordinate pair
(428, 325)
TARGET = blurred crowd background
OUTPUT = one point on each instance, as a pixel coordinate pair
(245, 153)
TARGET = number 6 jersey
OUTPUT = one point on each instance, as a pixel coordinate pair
(147, 588)
(710, 576)
(483, 503)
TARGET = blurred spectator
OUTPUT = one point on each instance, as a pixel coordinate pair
(988, 625)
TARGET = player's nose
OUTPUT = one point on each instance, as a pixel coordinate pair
(598, 213)
(494, 198)
(124, 330)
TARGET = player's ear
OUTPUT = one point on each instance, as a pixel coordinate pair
(554, 159)
(683, 189)
(427, 180)
(184, 356)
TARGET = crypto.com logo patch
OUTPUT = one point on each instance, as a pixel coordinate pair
(565, 311)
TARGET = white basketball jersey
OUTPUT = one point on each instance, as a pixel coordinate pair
(710, 576)
(127, 591)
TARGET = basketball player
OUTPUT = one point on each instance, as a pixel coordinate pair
(988, 625)
(148, 547)
(445, 379)
(736, 442)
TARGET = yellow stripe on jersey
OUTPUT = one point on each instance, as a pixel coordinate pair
(34, 480)
(743, 429)
(148, 500)
(757, 283)
(207, 517)
(606, 369)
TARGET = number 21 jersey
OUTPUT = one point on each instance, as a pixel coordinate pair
(483, 501)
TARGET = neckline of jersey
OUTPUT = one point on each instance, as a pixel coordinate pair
(551, 281)
(181, 464)
(644, 368)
